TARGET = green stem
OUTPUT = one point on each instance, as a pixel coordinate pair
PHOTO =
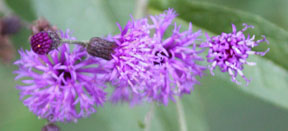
(82, 43)
(140, 8)
(181, 115)
(148, 118)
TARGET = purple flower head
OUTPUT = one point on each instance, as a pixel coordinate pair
(62, 85)
(229, 51)
(130, 60)
(147, 66)
(174, 66)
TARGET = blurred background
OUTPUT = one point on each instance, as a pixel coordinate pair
(223, 108)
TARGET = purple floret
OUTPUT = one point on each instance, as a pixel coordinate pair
(229, 51)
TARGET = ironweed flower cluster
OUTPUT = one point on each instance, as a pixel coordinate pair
(229, 51)
(62, 82)
(65, 84)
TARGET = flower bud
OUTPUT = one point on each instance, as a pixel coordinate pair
(42, 24)
(7, 50)
(50, 127)
(44, 41)
(102, 48)
(10, 25)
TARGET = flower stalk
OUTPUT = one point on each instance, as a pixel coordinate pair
(181, 115)
(148, 117)
(140, 7)
(75, 42)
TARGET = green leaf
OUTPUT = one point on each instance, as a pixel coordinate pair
(193, 110)
(265, 9)
(228, 109)
(217, 19)
(85, 19)
(22, 8)
(269, 81)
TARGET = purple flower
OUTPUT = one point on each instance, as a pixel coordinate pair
(147, 66)
(174, 65)
(62, 85)
(229, 51)
(130, 60)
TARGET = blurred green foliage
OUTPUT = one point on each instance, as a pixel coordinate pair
(22, 8)
(272, 10)
(216, 104)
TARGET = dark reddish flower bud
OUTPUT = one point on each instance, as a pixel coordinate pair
(10, 25)
(43, 42)
(50, 127)
(102, 48)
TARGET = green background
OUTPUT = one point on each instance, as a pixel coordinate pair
(217, 104)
